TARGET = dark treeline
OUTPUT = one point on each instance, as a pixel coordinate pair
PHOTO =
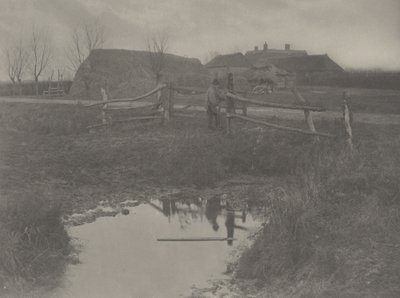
(356, 79)
(28, 88)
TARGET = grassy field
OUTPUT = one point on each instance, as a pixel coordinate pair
(333, 223)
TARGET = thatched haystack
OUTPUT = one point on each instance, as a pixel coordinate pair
(255, 76)
(127, 73)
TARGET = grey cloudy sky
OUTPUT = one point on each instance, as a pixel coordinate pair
(355, 33)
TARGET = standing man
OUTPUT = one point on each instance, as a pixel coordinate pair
(213, 99)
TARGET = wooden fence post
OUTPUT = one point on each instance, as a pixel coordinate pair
(165, 97)
(307, 113)
(171, 99)
(348, 120)
(104, 109)
(244, 109)
(228, 123)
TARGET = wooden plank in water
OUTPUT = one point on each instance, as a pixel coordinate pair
(196, 239)
(96, 125)
(139, 118)
(130, 108)
(184, 108)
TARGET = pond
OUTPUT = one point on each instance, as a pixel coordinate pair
(121, 256)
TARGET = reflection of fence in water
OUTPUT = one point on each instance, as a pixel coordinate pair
(189, 211)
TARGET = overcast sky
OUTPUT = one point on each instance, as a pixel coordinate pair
(355, 33)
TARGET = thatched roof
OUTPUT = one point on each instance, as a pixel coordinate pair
(255, 56)
(230, 60)
(311, 63)
(128, 73)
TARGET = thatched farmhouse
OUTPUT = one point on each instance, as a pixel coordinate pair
(297, 62)
(127, 73)
(282, 67)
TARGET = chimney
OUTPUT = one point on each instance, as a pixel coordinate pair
(265, 46)
(287, 47)
(255, 48)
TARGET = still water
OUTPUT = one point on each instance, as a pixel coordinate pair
(121, 256)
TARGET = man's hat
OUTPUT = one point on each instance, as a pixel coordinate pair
(215, 82)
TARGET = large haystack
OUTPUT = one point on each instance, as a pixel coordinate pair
(127, 73)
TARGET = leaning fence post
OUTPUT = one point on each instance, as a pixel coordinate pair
(307, 113)
(348, 120)
(104, 109)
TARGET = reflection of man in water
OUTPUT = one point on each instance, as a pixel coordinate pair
(213, 208)
(230, 225)
(166, 207)
(244, 215)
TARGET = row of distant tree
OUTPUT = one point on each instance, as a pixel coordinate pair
(376, 79)
(29, 57)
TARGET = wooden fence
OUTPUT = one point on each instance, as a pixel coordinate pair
(231, 113)
(54, 92)
(165, 100)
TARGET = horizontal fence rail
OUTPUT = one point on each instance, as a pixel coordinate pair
(280, 127)
(273, 105)
(128, 99)
(190, 90)
(232, 98)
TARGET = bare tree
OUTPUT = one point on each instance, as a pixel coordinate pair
(84, 38)
(41, 51)
(16, 60)
(11, 66)
(156, 47)
(22, 61)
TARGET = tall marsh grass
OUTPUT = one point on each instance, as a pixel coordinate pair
(334, 232)
(34, 244)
